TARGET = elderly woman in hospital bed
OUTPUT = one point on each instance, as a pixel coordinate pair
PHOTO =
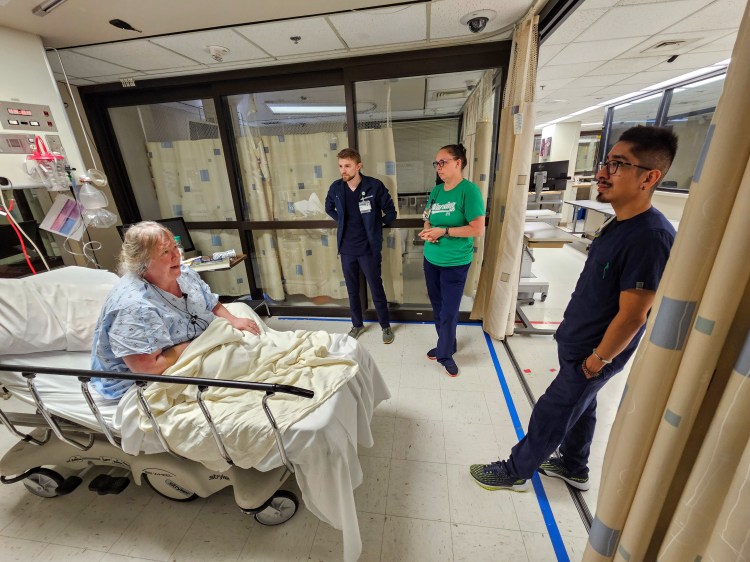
(154, 312)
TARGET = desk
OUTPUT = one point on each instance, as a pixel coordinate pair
(536, 235)
(603, 208)
(204, 267)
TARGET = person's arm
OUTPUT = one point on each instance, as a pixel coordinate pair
(331, 203)
(238, 323)
(157, 362)
(474, 228)
(633, 313)
(387, 206)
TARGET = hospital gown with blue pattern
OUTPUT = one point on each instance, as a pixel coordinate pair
(139, 318)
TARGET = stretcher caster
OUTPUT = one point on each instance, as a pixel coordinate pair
(44, 482)
(163, 483)
(279, 509)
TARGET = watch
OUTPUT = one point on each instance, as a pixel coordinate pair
(447, 231)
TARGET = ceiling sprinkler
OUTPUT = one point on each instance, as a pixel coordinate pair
(217, 52)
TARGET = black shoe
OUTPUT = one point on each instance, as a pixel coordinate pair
(432, 354)
(555, 468)
(450, 367)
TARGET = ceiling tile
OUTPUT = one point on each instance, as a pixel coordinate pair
(556, 72)
(593, 4)
(694, 61)
(176, 71)
(118, 77)
(140, 55)
(641, 20)
(274, 38)
(83, 66)
(551, 85)
(725, 43)
(594, 51)
(601, 81)
(626, 65)
(573, 92)
(453, 80)
(445, 16)
(367, 28)
(690, 41)
(721, 14)
(195, 45)
(577, 23)
(645, 79)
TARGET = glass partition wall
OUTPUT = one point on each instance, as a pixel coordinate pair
(687, 109)
(248, 167)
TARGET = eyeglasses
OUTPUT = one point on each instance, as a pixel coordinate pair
(440, 163)
(613, 165)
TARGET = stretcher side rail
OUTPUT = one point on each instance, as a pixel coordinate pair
(142, 380)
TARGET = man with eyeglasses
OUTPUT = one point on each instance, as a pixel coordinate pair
(605, 318)
(361, 205)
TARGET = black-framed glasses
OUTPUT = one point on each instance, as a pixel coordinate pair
(613, 165)
(440, 163)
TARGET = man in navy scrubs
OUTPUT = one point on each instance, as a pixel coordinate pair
(361, 206)
(605, 318)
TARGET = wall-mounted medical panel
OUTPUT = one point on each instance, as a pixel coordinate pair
(16, 116)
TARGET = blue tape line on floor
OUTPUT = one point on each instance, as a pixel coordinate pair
(541, 496)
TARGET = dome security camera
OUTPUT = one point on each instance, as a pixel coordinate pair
(477, 21)
(477, 24)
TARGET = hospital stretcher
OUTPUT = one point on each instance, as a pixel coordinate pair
(44, 367)
(72, 447)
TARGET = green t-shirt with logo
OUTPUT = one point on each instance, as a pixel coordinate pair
(457, 207)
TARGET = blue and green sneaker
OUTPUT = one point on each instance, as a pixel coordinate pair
(556, 468)
(495, 476)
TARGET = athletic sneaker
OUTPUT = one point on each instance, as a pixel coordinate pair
(450, 367)
(555, 468)
(494, 476)
(356, 331)
(388, 336)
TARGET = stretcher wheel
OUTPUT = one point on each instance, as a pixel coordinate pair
(44, 482)
(166, 487)
(279, 509)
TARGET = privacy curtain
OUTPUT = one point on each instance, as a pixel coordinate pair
(477, 138)
(285, 177)
(191, 182)
(676, 481)
(498, 282)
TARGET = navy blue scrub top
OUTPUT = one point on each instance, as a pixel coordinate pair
(354, 240)
(628, 254)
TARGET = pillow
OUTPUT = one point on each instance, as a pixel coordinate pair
(52, 311)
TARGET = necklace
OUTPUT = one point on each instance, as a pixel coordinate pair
(196, 323)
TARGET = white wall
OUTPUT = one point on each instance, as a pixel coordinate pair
(564, 143)
(671, 204)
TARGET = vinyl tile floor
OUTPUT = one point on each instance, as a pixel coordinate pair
(417, 501)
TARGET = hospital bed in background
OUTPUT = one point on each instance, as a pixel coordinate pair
(74, 430)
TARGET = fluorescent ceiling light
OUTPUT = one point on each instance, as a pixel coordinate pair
(288, 108)
(46, 7)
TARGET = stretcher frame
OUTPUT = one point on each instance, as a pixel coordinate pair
(73, 448)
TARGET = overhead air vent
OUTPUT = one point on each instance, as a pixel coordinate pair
(669, 46)
(449, 94)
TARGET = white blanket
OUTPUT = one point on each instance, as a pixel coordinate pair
(296, 358)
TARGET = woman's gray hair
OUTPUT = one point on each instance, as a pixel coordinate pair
(138, 246)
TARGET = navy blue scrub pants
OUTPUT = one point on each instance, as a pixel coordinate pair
(445, 286)
(565, 415)
(369, 265)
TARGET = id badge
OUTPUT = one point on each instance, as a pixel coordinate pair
(365, 206)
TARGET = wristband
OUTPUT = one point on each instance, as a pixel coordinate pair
(447, 230)
(588, 372)
(605, 361)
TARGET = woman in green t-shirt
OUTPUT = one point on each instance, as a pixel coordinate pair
(453, 217)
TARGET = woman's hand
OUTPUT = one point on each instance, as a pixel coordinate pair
(244, 324)
(432, 234)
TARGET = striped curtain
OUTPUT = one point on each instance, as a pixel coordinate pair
(676, 481)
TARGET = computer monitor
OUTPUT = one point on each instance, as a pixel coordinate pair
(557, 174)
(176, 225)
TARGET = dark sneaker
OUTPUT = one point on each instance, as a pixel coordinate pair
(450, 367)
(494, 476)
(555, 468)
(356, 331)
(388, 336)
